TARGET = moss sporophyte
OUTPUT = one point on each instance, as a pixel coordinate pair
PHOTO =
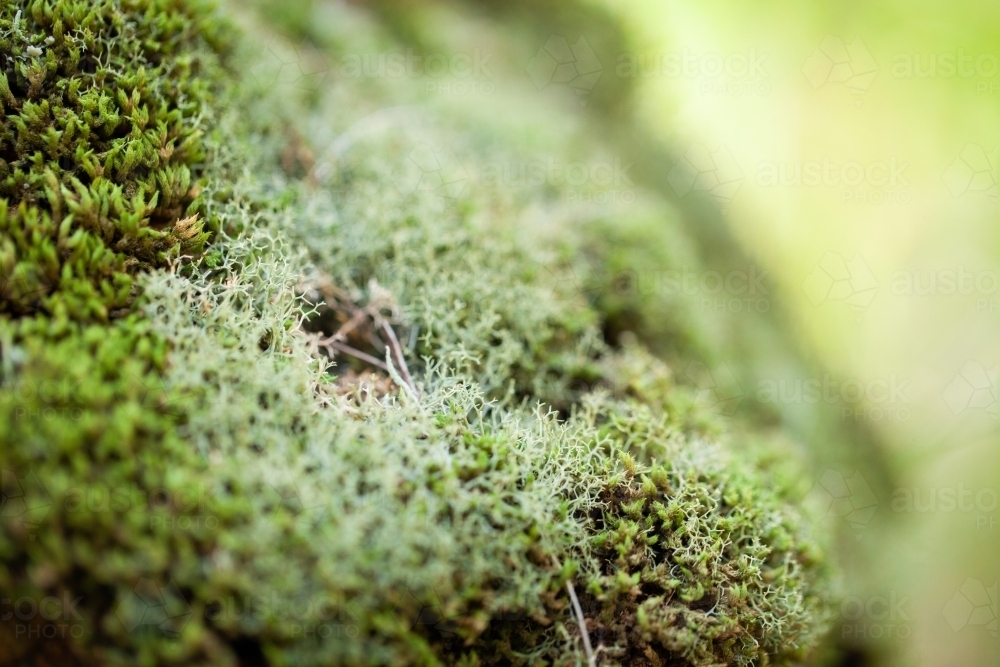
(251, 418)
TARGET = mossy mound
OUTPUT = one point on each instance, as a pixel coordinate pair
(368, 420)
(101, 145)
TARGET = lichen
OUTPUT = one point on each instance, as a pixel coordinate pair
(193, 458)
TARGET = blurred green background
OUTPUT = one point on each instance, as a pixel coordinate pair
(848, 153)
(867, 142)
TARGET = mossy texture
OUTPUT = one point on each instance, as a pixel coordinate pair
(101, 147)
(367, 421)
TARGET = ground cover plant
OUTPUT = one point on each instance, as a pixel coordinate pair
(280, 385)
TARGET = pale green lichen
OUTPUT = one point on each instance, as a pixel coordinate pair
(186, 461)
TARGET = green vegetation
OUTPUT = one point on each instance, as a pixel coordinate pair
(102, 125)
(182, 460)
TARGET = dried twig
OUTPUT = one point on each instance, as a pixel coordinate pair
(364, 324)
(347, 349)
(349, 326)
(581, 621)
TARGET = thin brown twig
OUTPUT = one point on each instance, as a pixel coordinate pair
(350, 325)
(375, 339)
(342, 302)
(581, 621)
(347, 349)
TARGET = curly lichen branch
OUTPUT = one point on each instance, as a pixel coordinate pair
(396, 377)
(397, 351)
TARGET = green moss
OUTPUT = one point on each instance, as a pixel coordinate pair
(95, 478)
(182, 456)
(705, 564)
(102, 108)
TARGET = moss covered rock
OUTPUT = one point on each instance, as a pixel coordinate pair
(375, 417)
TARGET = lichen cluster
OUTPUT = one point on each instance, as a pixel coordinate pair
(269, 399)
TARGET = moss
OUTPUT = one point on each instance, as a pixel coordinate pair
(703, 563)
(101, 142)
(190, 454)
